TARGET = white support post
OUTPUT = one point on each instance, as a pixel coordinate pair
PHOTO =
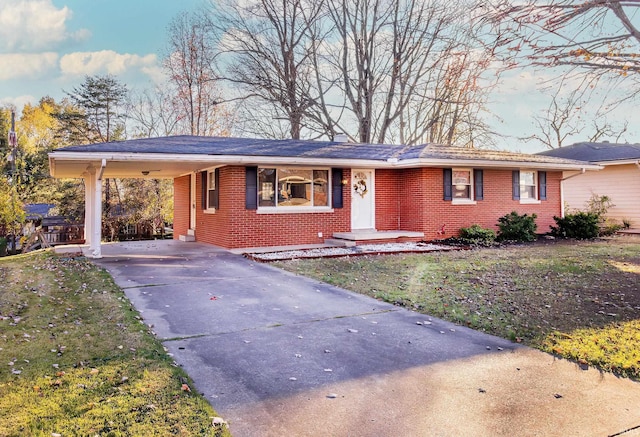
(89, 176)
(93, 209)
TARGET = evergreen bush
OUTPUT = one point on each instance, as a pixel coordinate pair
(515, 227)
(579, 225)
(477, 235)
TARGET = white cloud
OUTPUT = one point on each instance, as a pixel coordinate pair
(33, 25)
(105, 61)
(28, 65)
(18, 102)
(156, 73)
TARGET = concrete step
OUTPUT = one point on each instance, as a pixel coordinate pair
(187, 238)
(337, 242)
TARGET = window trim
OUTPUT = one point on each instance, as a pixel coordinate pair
(465, 200)
(209, 175)
(477, 186)
(328, 207)
(536, 187)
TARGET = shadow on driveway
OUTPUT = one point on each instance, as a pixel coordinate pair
(279, 354)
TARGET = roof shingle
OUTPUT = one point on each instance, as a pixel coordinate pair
(199, 145)
(596, 152)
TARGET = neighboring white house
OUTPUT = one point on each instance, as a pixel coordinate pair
(619, 180)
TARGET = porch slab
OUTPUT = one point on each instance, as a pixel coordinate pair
(367, 235)
(268, 249)
(635, 232)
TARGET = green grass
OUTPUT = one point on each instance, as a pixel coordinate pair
(76, 358)
(580, 300)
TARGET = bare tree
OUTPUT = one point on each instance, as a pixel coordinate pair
(451, 110)
(153, 114)
(411, 69)
(268, 45)
(190, 63)
(378, 70)
(566, 118)
(599, 37)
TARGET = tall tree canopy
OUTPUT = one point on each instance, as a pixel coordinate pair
(380, 70)
(592, 49)
(98, 112)
(190, 65)
(601, 36)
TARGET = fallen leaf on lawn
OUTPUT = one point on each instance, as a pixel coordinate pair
(185, 387)
(94, 371)
(219, 422)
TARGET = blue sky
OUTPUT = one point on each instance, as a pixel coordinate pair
(48, 46)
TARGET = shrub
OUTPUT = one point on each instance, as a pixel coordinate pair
(599, 205)
(476, 234)
(610, 227)
(515, 227)
(580, 225)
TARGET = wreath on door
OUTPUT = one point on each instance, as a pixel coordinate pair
(360, 186)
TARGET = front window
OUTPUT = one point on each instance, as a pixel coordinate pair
(528, 185)
(461, 184)
(287, 187)
(211, 189)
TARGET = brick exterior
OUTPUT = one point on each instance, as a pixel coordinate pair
(423, 208)
(181, 205)
(233, 226)
(406, 199)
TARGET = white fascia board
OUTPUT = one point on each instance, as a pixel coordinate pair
(213, 160)
(619, 162)
(484, 163)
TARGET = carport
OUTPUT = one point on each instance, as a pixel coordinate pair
(95, 166)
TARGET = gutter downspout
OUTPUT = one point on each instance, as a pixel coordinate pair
(583, 171)
(638, 164)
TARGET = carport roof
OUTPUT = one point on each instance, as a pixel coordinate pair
(176, 155)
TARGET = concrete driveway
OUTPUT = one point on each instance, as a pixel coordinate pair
(278, 354)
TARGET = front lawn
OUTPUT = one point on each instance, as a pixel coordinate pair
(580, 300)
(76, 359)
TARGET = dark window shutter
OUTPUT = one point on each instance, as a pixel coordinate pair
(478, 184)
(336, 188)
(216, 192)
(251, 188)
(542, 184)
(447, 180)
(516, 184)
(204, 189)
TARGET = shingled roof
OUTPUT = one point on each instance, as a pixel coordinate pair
(168, 157)
(225, 146)
(597, 152)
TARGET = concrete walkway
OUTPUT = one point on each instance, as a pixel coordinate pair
(278, 354)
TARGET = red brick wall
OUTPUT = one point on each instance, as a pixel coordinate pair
(406, 199)
(423, 208)
(233, 226)
(180, 206)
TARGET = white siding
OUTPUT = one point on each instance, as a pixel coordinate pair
(620, 182)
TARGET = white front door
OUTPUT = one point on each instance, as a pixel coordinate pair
(362, 199)
(192, 202)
